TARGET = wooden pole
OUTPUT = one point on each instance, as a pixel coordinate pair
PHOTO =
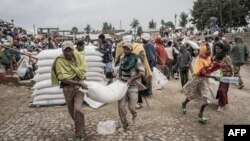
(12, 49)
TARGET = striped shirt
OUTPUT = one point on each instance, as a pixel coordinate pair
(106, 49)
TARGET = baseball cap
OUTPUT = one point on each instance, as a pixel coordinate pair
(67, 44)
(128, 44)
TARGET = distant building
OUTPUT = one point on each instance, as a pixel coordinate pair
(118, 36)
(153, 32)
(48, 31)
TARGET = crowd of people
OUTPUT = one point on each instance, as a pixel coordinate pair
(215, 58)
(15, 41)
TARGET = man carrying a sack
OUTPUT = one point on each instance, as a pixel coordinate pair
(70, 69)
(131, 70)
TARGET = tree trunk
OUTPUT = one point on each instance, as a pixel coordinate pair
(221, 12)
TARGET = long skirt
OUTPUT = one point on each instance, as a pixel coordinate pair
(222, 94)
(197, 89)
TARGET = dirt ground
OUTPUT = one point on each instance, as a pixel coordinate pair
(164, 103)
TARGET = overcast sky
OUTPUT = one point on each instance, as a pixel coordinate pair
(68, 13)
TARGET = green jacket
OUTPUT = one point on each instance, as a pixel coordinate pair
(239, 52)
(6, 55)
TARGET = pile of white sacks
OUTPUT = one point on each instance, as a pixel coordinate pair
(46, 94)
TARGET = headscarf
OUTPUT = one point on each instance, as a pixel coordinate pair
(238, 39)
(202, 60)
(145, 36)
(158, 40)
(161, 54)
(220, 56)
(202, 50)
(130, 62)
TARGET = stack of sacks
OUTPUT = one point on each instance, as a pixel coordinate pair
(95, 72)
(95, 65)
(44, 93)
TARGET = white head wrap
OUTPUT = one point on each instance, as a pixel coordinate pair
(145, 36)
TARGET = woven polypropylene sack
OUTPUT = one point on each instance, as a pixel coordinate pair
(107, 94)
(49, 54)
(45, 69)
(40, 77)
(158, 79)
(46, 62)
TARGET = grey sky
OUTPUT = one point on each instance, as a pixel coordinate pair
(68, 13)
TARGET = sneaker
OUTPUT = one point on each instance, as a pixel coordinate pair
(203, 120)
(220, 109)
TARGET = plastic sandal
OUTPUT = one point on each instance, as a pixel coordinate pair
(203, 120)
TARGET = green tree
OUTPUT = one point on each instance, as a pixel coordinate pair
(228, 12)
(152, 24)
(170, 24)
(87, 28)
(134, 24)
(139, 31)
(163, 23)
(237, 11)
(105, 28)
(248, 7)
(183, 19)
(74, 30)
(111, 28)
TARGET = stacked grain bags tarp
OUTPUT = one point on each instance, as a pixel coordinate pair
(44, 93)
